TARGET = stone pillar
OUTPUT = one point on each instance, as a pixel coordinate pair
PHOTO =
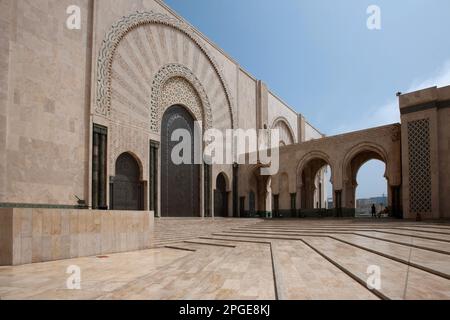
(208, 196)
(153, 177)
(301, 128)
(262, 103)
(235, 191)
(99, 151)
(425, 150)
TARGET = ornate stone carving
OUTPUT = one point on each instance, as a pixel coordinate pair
(419, 166)
(176, 84)
(116, 34)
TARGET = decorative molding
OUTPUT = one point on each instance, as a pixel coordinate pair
(39, 206)
(176, 84)
(425, 106)
(116, 34)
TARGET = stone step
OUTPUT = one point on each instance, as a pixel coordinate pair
(420, 235)
(438, 246)
(244, 273)
(398, 280)
(182, 247)
(424, 233)
(211, 243)
(302, 274)
(429, 261)
(236, 240)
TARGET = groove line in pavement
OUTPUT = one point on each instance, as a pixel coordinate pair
(305, 233)
(347, 272)
(385, 255)
(423, 268)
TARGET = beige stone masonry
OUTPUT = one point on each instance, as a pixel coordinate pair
(39, 235)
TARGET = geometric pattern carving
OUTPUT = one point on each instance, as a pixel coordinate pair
(419, 166)
(116, 34)
(175, 84)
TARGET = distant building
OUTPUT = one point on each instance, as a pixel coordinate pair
(364, 206)
(330, 203)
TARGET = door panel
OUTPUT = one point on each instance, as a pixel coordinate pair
(127, 189)
(180, 184)
(221, 197)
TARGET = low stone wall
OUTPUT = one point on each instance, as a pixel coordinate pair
(39, 235)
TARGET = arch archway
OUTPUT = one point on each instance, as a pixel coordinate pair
(353, 162)
(119, 31)
(310, 174)
(180, 182)
(287, 136)
(221, 196)
(175, 84)
(260, 192)
(127, 190)
(371, 188)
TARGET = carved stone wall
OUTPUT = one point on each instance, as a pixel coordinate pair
(175, 84)
(139, 43)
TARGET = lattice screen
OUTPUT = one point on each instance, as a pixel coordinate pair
(419, 166)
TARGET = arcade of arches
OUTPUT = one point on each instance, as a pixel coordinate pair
(95, 143)
(185, 89)
(299, 188)
(152, 73)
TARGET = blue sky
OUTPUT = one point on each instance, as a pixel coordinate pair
(321, 58)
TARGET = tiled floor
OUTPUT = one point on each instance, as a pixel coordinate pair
(255, 259)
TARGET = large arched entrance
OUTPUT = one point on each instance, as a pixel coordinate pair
(221, 197)
(313, 193)
(371, 188)
(356, 160)
(180, 183)
(127, 191)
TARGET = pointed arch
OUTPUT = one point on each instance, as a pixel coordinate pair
(287, 136)
(196, 100)
(118, 32)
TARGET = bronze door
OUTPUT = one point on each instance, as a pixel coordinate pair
(126, 188)
(221, 197)
(180, 184)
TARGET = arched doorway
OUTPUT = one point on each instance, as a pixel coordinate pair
(374, 159)
(180, 183)
(371, 188)
(127, 191)
(260, 195)
(285, 131)
(221, 197)
(313, 194)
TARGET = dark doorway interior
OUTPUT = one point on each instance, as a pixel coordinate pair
(180, 184)
(252, 204)
(127, 191)
(221, 197)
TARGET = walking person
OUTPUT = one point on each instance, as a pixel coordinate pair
(374, 211)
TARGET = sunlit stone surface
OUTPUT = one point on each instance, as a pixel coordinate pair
(255, 259)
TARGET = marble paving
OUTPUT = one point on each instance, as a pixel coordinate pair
(255, 260)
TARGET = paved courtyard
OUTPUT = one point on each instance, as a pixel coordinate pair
(256, 259)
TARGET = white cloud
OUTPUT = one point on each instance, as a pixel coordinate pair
(441, 78)
(389, 112)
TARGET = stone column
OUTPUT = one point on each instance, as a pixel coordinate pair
(422, 128)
